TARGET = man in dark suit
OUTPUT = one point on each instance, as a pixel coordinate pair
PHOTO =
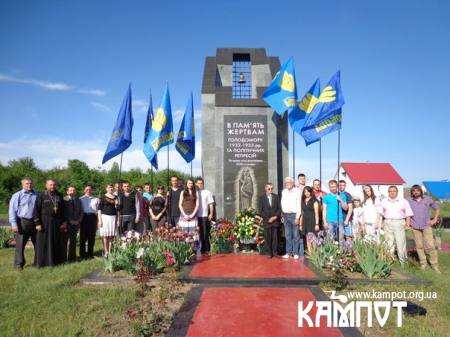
(74, 214)
(269, 211)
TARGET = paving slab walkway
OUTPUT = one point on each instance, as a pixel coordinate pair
(246, 295)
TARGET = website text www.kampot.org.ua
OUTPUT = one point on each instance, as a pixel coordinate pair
(392, 295)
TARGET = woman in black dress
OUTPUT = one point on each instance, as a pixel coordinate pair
(309, 221)
(158, 208)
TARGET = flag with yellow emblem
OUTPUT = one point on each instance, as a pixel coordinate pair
(309, 103)
(148, 126)
(161, 131)
(328, 116)
(281, 94)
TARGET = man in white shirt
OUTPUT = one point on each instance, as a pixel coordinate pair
(204, 214)
(291, 211)
(88, 226)
(301, 182)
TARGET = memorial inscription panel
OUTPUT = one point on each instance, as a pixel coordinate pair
(245, 161)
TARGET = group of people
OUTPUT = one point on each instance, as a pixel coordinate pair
(52, 221)
(305, 210)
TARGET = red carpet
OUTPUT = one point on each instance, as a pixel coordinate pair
(254, 311)
(250, 266)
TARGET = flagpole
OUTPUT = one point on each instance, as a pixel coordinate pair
(168, 166)
(151, 178)
(320, 162)
(192, 176)
(293, 154)
(120, 166)
(339, 164)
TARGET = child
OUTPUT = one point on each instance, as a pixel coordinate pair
(358, 218)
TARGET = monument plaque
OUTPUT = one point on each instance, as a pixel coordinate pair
(244, 142)
(245, 161)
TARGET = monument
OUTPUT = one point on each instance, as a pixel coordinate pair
(244, 142)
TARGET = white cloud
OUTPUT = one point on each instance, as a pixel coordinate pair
(101, 107)
(51, 86)
(94, 92)
(51, 152)
(140, 106)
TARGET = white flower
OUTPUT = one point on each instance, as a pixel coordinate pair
(140, 253)
(129, 234)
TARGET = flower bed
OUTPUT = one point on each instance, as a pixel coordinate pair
(368, 257)
(167, 248)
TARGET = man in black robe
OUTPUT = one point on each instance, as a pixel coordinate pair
(50, 225)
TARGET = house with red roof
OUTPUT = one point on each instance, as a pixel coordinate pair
(378, 175)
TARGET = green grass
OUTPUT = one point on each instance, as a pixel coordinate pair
(49, 301)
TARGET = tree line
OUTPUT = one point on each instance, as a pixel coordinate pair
(77, 174)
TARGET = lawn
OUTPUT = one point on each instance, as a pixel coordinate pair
(51, 302)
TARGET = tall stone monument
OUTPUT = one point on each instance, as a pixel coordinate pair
(244, 142)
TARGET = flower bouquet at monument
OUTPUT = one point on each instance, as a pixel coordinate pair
(223, 237)
(247, 229)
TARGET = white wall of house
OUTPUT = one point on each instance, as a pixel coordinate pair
(381, 191)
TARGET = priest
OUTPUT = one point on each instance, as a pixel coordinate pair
(51, 226)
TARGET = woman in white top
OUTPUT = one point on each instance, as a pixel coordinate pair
(371, 209)
(189, 201)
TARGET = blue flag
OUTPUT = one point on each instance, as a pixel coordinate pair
(161, 132)
(121, 135)
(281, 94)
(185, 144)
(148, 126)
(309, 102)
(328, 117)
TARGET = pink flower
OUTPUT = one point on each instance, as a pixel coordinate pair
(170, 261)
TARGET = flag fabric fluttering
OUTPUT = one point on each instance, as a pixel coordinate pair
(309, 103)
(185, 144)
(161, 132)
(121, 136)
(148, 125)
(281, 94)
(328, 117)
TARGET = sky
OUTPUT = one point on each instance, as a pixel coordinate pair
(65, 67)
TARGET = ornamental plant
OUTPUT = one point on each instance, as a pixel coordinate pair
(325, 253)
(373, 258)
(133, 252)
(247, 230)
(223, 236)
(6, 237)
